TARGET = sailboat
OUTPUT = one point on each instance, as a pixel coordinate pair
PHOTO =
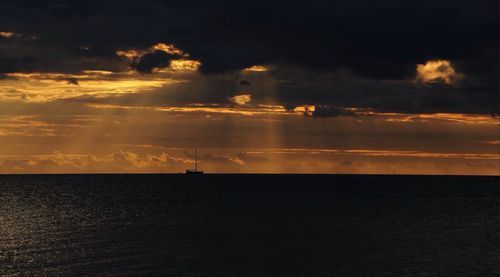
(195, 171)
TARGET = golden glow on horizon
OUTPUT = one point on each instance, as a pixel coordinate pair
(104, 142)
(309, 160)
(437, 70)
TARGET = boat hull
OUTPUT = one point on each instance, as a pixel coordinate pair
(194, 172)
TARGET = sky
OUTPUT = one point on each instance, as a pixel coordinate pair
(355, 87)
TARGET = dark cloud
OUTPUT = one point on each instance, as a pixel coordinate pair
(296, 87)
(331, 92)
(382, 40)
(150, 61)
(376, 41)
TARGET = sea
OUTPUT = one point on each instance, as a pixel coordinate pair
(249, 225)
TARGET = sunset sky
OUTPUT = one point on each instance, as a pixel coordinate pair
(406, 87)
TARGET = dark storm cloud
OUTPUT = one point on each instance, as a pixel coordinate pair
(375, 40)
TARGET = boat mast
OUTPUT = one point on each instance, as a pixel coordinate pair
(195, 159)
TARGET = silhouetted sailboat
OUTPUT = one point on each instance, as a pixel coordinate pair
(195, 171)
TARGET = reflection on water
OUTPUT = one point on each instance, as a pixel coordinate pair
(253, 225)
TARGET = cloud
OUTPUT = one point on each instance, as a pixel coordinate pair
(241, 99)
(298, 87)
(170, 49)
(379, 45)
(335, 93)
(437, 70)
(184, 65)
(289, 87)
(159, 56)
(130, 54)
(377, 41)
(223, 160)
(120, 161)
(256, 68)
(150, 61)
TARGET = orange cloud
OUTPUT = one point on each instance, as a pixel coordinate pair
(183, 64)
(169, 48)
(132, 54)
(305, 109)
(129, 54)
(437, 70)
(257, 68)
(258, 160)
(189, 65)
(242, 99)
(44, 87)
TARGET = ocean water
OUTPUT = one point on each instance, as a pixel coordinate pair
(249, 225)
